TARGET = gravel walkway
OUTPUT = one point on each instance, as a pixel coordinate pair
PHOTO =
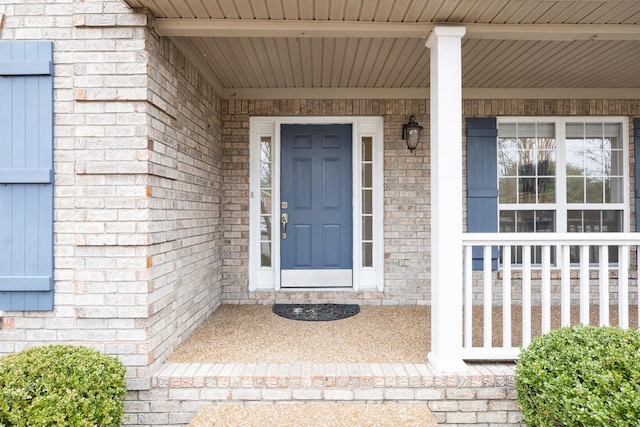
(316, 415)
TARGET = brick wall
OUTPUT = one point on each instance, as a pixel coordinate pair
(406, 186)
(138, 180)
(101, 204)
(406, 198)
(185, 186)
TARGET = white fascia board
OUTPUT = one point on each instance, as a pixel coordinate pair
(191, 27)
(423, 93)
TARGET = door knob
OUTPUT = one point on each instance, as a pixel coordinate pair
(284, 219)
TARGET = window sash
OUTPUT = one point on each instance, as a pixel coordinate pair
(567, 127)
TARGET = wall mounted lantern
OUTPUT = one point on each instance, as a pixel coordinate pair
(411, 133)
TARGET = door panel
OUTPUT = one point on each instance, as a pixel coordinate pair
(316, 188)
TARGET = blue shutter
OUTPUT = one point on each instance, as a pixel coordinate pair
(26, 176)
(636, 148)
(482, 182)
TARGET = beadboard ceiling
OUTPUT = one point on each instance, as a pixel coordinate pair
(268, 48)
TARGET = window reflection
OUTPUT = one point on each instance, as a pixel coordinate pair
(266, 201)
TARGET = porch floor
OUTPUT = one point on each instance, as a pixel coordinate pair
(253, 333)
(378, 334)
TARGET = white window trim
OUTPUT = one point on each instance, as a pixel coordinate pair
(364, 278)
(562, 207)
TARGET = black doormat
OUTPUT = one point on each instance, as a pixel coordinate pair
(316, 312)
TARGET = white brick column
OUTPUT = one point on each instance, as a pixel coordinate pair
(446, 198)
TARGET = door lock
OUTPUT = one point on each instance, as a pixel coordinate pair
(284, 218)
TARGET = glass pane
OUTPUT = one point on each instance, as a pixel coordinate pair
(265, 228)
(265, 149)
(367, 175)
(525, 222)
(613, 164)
(507, 221)
(546, 190)
(507, 157)
(526, 129)
(613, 131)
(527, 190)
(574, 221)
(592, 221)
(367, 228)
(265, 258)
(367, 254)
(367, 149)
(612, 221)
(593, 158)
(575, 130)
(546, 130)
(546, 163)
(613, 192)
(265, 175)
(593, 130)
(265, 201)
(527, 161)
(575, 157)
(575, 190)
(367, 202)
(545, 221)
(507, 130)
(595, 189)
(508, 190)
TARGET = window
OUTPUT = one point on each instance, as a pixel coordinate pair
(266, 216)
(562, 175)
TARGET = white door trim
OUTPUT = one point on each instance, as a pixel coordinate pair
(267, 278)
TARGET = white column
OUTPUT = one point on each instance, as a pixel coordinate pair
(446, 199)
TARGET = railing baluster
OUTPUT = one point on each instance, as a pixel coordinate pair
(526, 295)
(468, 296)
(623, 286)
(584, 284)
(506, 296)
(488, 297)
(603, 275)
(546, 289)
(569, 292)
(565, 286)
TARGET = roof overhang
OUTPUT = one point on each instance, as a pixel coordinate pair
(511, 49)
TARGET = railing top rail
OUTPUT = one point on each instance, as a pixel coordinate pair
(477, 239)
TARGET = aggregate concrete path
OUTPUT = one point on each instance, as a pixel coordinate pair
(314, 414)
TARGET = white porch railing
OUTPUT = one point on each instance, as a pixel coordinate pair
(561, 288)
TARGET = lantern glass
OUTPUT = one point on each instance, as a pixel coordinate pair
(411, 133)
(413, 136)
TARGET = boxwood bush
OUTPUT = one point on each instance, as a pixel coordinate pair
(581, 376)
(61, 385)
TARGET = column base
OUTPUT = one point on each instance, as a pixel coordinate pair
(447, 366)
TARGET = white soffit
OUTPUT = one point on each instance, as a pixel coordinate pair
(375, 48)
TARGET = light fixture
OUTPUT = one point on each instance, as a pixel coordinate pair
(411, 133)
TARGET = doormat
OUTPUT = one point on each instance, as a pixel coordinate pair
(316, 312)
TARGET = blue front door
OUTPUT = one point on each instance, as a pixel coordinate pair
(316, 206)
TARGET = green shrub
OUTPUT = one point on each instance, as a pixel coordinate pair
(581, 376)
(61, 385)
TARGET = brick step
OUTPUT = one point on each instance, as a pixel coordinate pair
(484, 395)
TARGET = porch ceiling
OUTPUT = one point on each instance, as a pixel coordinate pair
(313, 48)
